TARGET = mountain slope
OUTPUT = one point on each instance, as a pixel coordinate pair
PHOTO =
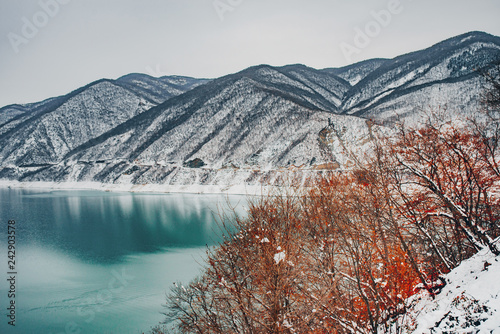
(469, 303)
(356, 72)
(41, 133)
(433, 75)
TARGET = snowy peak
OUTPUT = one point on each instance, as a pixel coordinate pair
(307, 86)
(157, 90)
(356, 72)
(453, 60)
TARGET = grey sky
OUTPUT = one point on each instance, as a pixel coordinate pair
(83, 40)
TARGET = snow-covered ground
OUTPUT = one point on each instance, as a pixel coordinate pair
(469, 303)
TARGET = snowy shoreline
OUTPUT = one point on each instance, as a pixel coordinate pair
(240, 189)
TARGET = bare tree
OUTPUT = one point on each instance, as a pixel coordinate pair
(447, 170)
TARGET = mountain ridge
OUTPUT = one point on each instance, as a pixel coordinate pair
(248, 127)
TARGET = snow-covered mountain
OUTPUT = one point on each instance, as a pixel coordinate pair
(249, 128)
(444, 75)
(42, 133)
(146, 91)
(356, 72)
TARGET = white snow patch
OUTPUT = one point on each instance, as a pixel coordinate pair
(278, 257)
(469, 303)
(237, 189)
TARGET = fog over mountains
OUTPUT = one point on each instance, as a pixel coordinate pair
(248, 128)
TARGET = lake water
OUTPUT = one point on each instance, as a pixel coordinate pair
(101, 262)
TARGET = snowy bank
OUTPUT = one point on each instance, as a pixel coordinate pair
(469, 303)
(238, 189)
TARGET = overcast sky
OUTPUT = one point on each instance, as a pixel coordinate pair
(51, 47)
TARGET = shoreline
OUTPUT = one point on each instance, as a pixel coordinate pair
(239, 189)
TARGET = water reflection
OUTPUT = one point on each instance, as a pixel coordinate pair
(104, 227)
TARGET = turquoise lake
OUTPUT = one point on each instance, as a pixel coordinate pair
(102, 262)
